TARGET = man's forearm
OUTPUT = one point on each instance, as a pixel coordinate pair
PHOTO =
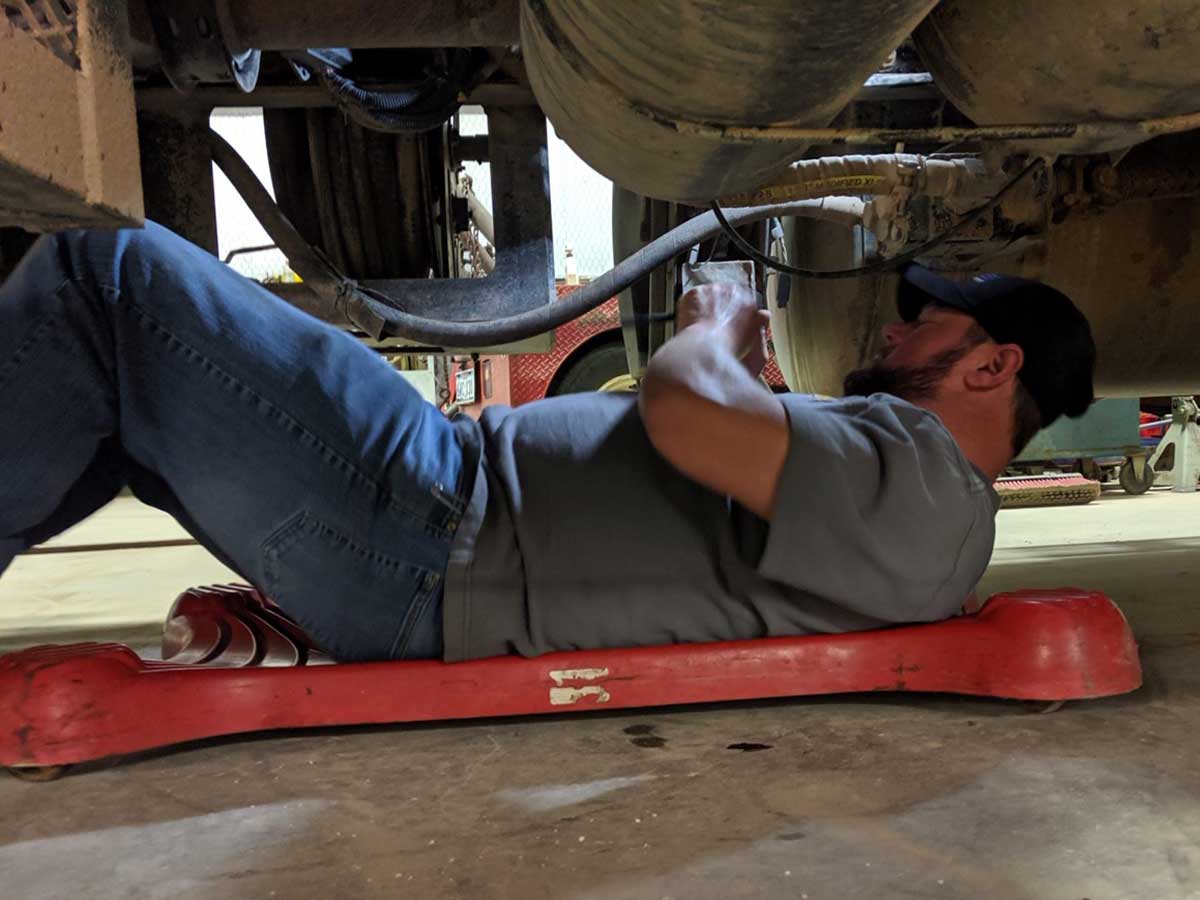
(712, 419)
(701, 360)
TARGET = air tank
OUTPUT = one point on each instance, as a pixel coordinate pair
(1043, 61)
(616, 79)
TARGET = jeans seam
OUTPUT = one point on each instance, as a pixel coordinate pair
(279, 542)
(327, 452)
(39, 331)
(455, 503)
(389, 563)
(416, 610)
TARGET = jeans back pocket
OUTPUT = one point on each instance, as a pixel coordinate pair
(357, 603)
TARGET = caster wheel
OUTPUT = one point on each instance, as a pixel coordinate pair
(1131, 483)
(39, 773)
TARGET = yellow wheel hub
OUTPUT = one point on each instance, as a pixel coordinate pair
(624, 382)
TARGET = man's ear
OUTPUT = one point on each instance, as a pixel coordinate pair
(999, 366)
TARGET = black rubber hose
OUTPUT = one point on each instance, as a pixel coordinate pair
(416, 109)
(394, 113)
(376, 101)
(378, 315)
(388, 319)
(319, 274)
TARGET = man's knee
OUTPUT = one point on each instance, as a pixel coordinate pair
(113, 262)
(100, 253)
(103, 250)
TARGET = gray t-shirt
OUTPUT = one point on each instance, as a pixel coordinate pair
(578, 535)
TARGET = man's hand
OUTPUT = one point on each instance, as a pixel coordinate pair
(733, 310)
(702, 404)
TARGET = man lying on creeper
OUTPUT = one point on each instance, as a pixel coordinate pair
(703, 509)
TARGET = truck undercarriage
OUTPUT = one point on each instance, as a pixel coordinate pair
(1056, 142)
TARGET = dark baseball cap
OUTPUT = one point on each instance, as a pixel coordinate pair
(1054, 335)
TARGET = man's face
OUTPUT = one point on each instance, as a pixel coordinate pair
(918, 356)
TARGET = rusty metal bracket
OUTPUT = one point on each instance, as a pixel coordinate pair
(524, 275)
(191, 36)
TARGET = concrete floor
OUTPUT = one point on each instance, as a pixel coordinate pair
(880, 796)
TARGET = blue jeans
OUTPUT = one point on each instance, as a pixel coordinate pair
(296, 455)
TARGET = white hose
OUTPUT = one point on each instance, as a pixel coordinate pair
(859, 175)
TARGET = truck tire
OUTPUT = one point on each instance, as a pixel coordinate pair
(366, 198)
(600, 367)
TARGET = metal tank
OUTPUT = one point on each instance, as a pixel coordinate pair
(620, 81)
(1041, 61)
(1133, 270)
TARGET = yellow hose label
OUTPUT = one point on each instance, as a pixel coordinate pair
(842, 182)
(781, 193)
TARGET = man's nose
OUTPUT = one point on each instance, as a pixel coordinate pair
(894, 332)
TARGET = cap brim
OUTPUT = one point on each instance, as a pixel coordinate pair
(919, 287)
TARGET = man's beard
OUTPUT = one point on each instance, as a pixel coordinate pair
(912, 383)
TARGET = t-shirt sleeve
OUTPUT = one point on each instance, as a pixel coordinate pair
(877, 511)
